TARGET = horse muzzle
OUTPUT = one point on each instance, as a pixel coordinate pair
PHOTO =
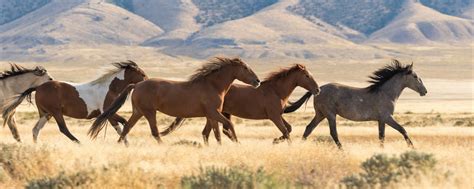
(316, 92)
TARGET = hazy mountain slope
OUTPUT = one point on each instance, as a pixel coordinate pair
(450, 7)
(218, 11)
(14, 9)
(271, 32)
(418, 24)
(175, 17)
(77, 22)
(364, 16)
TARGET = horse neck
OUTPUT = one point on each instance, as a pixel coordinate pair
(221, 80)
(17, 84)
(393, 88)
(107, 81)
(284, 86)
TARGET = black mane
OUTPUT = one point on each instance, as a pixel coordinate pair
(17, 70)
(127, 64)
(384, 74)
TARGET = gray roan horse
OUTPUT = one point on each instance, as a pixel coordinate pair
(373, 103)
(15, 81)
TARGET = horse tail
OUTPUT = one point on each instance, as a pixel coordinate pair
(100, 122)
(173, 126)
(293, 106)
(10, 107)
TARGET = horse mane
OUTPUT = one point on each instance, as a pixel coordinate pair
(16, 69)
(382, 75)
(118, 67)
(283, 72)
(213, 66)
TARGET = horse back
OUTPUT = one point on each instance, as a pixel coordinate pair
(349, 102)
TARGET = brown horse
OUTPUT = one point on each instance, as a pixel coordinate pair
(264, 102)
(373, 103)
(80, 101)
(201, 96)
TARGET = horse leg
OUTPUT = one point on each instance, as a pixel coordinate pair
(128, 126)
(278, 121)
(58, 116)
(150, 115)
(333, 130)
(381, 133)
(114, 122)
(39, 125)
(226, 128)
(206, 131)
(313, 124)
(217, 132)
(12, 125)
(217, 116)
(288, 128)
(392, 123)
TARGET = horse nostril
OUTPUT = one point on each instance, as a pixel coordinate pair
(258, 80)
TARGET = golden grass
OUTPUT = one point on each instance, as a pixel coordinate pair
(146, 164)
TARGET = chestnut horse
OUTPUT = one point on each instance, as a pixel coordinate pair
(264, 102)
(14, 82)
(201, 96)
(81, 101)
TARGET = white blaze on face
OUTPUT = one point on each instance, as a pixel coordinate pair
(94, 94)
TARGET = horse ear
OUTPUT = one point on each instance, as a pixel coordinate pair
(236, 60)
(301, 67)
(410, 67)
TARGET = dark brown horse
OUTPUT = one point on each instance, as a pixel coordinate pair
(81, 101)
(373, 103)
(201, 96)
(264, 102)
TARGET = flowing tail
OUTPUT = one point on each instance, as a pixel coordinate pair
(13, 103)
(101, 121)
(173, 126)
(295, 105)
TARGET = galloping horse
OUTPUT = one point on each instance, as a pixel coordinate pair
(264, 102)
(201, 96)
(373, 103)
(15, 81)
(80, 101)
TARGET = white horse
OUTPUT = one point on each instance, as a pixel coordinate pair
(14, 82)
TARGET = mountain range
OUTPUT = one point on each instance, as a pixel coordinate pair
(306, 29)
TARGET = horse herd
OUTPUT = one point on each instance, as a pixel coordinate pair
(208, 93)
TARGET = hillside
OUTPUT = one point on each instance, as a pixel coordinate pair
(306, 29)
(418, 24)
(89, 23)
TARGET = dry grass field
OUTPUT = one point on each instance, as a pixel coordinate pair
(57, 162)
(440, 125)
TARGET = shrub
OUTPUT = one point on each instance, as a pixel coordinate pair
(382, 171)
(110, 176)
(233, 177)
(63, 180)
(24, 162)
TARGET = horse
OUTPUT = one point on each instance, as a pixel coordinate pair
(265, 102)
(15, 81)
(201, 96)
(373, 103)
(80, 101)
